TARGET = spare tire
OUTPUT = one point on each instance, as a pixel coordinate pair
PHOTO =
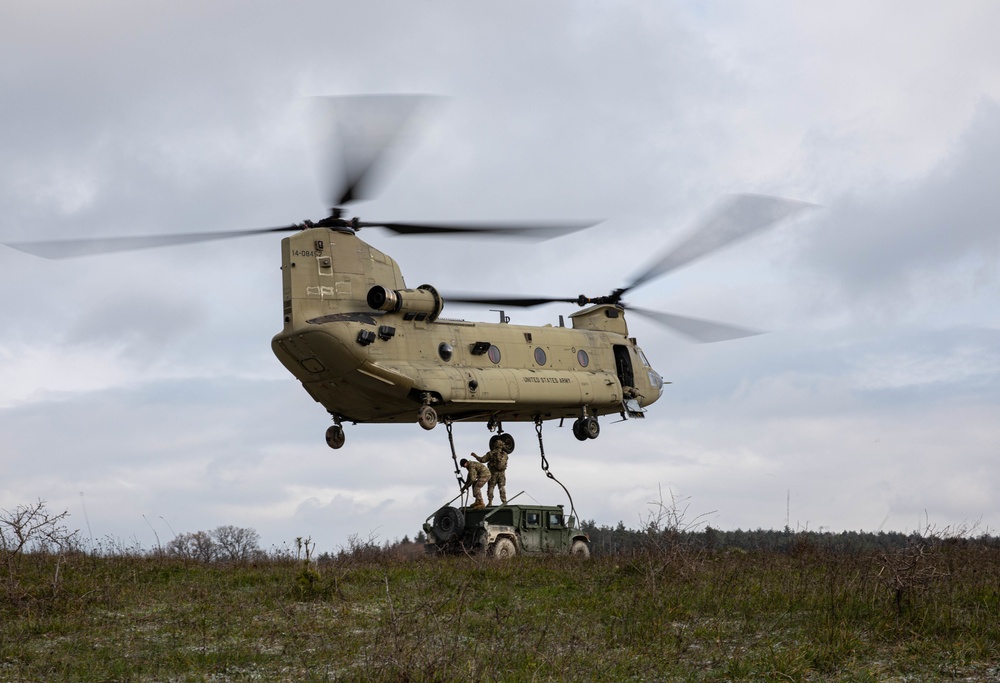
(448, 524)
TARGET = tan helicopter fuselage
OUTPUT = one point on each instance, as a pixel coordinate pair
(368, 365)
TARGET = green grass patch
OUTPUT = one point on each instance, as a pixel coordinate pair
(687, 614)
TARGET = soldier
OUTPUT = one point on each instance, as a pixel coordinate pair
(479, 474)
(497, 461)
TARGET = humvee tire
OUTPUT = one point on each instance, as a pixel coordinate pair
(580, 549)
(503, 549)
(449, 522)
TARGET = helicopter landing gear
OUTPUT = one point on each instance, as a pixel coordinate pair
(501, 437)
(427, 417)
(335, 436)
(586, 428)
(506, 440)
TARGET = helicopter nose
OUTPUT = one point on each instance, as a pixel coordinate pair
(656, 381)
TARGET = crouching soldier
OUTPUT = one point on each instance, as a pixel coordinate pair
(479, 474)
(496, 459)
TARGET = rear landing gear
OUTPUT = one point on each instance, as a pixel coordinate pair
(501, 437)
(335, 436)
(506, 440)
(586, 428)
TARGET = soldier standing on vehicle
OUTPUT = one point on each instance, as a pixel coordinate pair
(479, 474)
(497, 461)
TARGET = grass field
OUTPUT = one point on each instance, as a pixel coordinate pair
(665, 612)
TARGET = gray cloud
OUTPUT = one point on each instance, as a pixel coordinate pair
(146, 381)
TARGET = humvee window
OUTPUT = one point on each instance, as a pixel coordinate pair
(502, 517)
(555, 519)
(531, 519)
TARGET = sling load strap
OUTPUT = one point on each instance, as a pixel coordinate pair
(545, 466)
(454, 458)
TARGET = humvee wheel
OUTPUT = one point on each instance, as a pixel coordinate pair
(580, 549)
(503, 548)
(505, 440)
(448, 523)
(335, 437)
(427, 417)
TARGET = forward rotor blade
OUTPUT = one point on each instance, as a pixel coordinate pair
(63, 249)
(354, 135)
(701, 331)
(498, 300)
(735, 219)
(545, 230)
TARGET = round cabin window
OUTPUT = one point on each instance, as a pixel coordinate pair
(445, 351)
(540, 356)
(494, 354)
(582, 358)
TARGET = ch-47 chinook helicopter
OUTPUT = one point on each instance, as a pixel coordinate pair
(370, 349)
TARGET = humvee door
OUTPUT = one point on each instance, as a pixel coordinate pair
(555, 532)
(531, 531)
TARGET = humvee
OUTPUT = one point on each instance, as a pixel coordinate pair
(505, 531)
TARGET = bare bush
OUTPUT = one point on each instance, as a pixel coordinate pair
(32, 528)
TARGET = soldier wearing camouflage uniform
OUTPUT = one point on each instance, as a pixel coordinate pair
(497, 461)
(479, 474)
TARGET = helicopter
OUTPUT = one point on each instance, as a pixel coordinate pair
(370, 349)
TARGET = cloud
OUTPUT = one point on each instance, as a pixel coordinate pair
(146, 381)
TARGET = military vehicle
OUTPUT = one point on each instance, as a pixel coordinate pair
(505, 531)
(370, 349)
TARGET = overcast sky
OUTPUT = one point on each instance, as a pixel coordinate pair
(139, 392)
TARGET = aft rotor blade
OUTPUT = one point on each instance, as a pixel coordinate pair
(63, 249)
(354, 135)
(543, 230)
(499, 300)
(734, 219)
(701, 331)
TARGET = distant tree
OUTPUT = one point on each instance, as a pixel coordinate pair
(197, 546)
(236, 544)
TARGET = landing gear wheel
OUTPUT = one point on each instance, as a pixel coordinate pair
(506, 440)
(335, 437)
(503, 549)
(591, 427)
(578, 430)
(427, 417)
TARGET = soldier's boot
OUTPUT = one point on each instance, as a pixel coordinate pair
(478, 505)
(490, 503)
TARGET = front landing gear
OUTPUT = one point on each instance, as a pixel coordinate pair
(427, 417)
(335, 436)
(586, 428)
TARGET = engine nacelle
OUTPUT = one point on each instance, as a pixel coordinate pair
(422, 303)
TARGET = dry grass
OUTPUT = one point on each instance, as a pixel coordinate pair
(661, 613)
